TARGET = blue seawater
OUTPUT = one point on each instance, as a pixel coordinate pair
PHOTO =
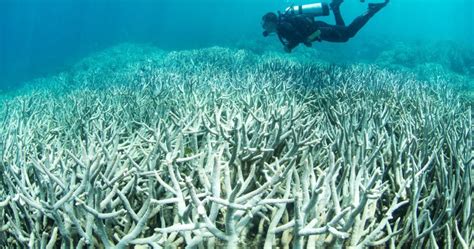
(42, 37)
(177, 124)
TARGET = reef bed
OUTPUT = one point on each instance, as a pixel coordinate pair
(219, 147)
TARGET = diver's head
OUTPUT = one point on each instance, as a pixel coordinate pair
(269, 23)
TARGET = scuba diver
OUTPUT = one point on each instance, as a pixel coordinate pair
(294, 26)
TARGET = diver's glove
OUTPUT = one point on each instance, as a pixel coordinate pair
(315, 36)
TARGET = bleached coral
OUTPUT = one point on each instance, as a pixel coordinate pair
(255, 152)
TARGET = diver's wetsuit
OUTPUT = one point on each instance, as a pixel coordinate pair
(293, 30)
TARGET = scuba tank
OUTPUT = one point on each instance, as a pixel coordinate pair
(308, 10)
(313, 9)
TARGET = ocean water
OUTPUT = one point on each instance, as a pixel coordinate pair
(176, 124)
(39, 37)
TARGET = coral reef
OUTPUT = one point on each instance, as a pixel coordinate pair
(225, 148)
(454, 56)
(428, 60)
(452, 61)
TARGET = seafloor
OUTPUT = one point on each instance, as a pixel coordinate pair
(136, 147)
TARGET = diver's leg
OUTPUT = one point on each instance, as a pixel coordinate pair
(332, 33)
(335, 4)
(360, 21)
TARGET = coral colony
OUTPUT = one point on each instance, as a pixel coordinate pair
(223, 148)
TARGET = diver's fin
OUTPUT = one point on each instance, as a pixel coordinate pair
(335, 4)
(375, 7)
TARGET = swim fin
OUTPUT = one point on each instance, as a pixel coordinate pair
(375, 7)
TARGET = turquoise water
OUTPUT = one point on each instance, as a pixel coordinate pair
(176, 124)
(40, 37)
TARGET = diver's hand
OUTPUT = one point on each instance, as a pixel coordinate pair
(287, 49)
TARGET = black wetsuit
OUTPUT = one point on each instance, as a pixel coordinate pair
(293, 30)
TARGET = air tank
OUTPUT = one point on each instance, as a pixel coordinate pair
(313, 9)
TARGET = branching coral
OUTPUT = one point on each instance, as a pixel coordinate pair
(267, 153)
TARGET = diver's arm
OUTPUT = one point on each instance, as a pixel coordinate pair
(288, 45)
(289, 36)
(291, 45)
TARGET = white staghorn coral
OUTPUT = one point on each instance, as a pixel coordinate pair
(251, 152)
